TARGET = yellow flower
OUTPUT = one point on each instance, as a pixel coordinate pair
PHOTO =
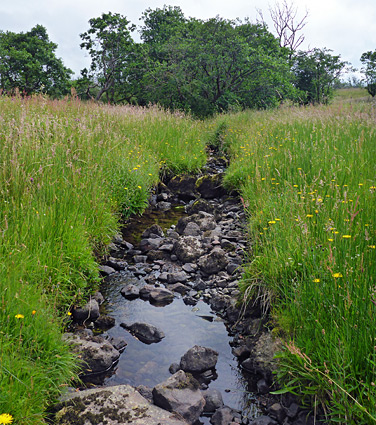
(346, 236)
(33, 312)
(139, 187)
(309, 215)
(372, 246)
(19, 316)
(330, 240)
(271, 222)
(316, 280)
(5, 419)
(69, 313)
(337, 275)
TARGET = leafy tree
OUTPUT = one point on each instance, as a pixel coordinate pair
(110, 45)
(368, 59)
(316, 73)
(28, 63)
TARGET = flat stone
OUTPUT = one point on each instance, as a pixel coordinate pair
(117, 405)
(177, 277)
(106, 270)
(161, 296)
(180, 394)
(130, 292)
(145, 332)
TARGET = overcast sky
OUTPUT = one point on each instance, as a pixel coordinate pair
(348, 27)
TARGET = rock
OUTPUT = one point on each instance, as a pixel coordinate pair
(174, 367)
(213, 399)
(177, 277)
(117, 405)
(262, 386)
(183, 186)
(140, 258)
(154, 229)
(99, 298)
(241, 352)
(210, 186)
(180, 393)
(205, 221)
(115, 264)
(200, 205)
(97, 354)
(106, 270)
(263, 420)
(161, 296)
(190, 300)
(188, 249)
(220, 302)
(192, 229)
(277, 412)
(293, 410)
(146, 392)
(189, 267)
(150, 244)
(198, 359)
(118, 343)
(88, 313)
(264, 351)
(130, 292)
(145, 291)
(104, 322)
(145, 332)
(213, 262)
(222, 416)
(164, 206)
(179, 288)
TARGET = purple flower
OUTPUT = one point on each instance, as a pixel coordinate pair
(31, 179)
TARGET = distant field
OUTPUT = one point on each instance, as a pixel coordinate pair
(351, 94)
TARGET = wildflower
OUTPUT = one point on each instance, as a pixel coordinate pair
(19, 316)
(69, 313)
(346, 236)
(335, 275)
(271, 222)
(5, 419)
(139, 187)
(125, 188)
(372, 246)
(33, 312)
(309, 215)
(330, 240)
(316, 280)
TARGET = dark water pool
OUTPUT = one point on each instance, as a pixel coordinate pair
(184, 327)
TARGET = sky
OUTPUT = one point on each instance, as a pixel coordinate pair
(347, 27)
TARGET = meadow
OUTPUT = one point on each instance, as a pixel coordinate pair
(307, 177)
(308, 181)
(69, 171)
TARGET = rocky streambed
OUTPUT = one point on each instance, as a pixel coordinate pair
(167, 340)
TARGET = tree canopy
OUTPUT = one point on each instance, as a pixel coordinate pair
(28, 63)
(368, 60)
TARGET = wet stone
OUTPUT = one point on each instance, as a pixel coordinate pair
(198, 359)
(130, 292)
(145, 332)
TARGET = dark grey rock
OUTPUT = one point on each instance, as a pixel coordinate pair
(161, 296)
(210, 186)
(277, 412)
(263, 420)
(175, 277)
(213, 400)
(106, 270)
(198, 359)
(96, 353)
(150, 244)
(104, 322)
(140, 259)
(180, 394)
(118, 343)
(293, 410)
(222, 416)
(190, 300)
(130, 292)
(179, 288)
(241, 352)
(192, 229)
(164, 206)
(154, 229)
(88, 313)
(213, 262)
(145, 291)
(189, 267)
(145, 332)
(99, 298)
(174, 367)
(262, 386)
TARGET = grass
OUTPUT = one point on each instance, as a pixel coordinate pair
(69, 170)
(308, 179)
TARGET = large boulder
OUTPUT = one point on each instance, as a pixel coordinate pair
(198, 359)
(183, 186)
(96, 353)
(145, 332)
(180, 394)
(188, 249)
(210, 186)
(117, 405)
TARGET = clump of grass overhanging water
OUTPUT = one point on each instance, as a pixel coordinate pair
(68, 171)
(308, 180)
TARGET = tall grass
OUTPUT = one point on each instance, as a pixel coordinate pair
(68, 171)
(308, 178)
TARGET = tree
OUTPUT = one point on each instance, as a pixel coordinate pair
(109, 44)
(210, 66)
(368, 59)
(316, 72)
(28, 63)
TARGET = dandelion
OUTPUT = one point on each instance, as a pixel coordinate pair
(346, 236)
(69, 313)
(139, 187)
(372, 246)
(5, 419)
(330, 240)
(316, 280)
(33, 312)
(271, 222)
(19, 316)
(336, 275)
(309, 215)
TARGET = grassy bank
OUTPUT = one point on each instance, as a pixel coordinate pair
(308, 179)
(68, 170)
